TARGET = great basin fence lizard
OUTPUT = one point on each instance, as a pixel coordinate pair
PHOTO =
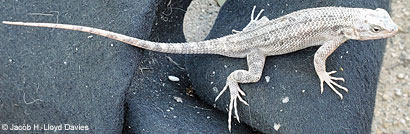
(325, 26)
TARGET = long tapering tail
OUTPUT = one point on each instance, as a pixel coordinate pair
(177, 48)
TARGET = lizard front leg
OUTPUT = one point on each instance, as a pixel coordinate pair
(320, 65)
(256, 61)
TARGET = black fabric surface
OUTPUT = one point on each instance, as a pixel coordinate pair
(53, 77)
(152, 100)
(293, 76)
(80, 78)
(58, 77)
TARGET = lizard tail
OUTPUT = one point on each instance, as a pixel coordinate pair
(176, 48)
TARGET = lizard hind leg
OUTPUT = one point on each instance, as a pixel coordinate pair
(235, 93)
(256, 62)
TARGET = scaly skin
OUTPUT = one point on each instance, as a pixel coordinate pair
(326, 26)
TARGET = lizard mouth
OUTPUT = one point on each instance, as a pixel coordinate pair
(395, 29)
(387, 33)
(392, 32)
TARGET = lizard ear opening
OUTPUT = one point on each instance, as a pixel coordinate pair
(350, 33)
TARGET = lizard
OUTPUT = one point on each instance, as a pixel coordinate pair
(327, 27)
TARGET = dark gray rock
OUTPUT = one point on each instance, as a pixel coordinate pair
(80, 78)
(153, 103)
(293, 76)
(52, 76)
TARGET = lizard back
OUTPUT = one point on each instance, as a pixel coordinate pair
(294, 31)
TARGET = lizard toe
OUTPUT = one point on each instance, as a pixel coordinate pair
(329, 80)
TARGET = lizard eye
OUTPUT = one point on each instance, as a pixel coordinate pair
(376, 29)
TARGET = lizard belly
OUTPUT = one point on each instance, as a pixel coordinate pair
(292, 45)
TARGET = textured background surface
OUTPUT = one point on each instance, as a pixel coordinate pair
(392, 102)
(57, 76)
(292, 76)
(44, 75)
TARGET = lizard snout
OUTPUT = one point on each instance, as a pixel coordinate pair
(394, 29)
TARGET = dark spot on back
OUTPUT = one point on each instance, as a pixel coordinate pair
(281, 43)
(291, 19)
(336, 28)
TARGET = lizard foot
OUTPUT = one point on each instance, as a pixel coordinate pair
(255, 21)
(325, 77)
(235, 93)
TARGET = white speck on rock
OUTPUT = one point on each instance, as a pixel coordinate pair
(385, 97)
(285, 100)
(178, 99)
(403, 121)
(90, 36)
(398, 92)
(400, 76)
(10, 60)
(65, 62)
(215, 89)
(267, 78)
(276, 126)
(173, 78)
(394, 55)
(303, 91)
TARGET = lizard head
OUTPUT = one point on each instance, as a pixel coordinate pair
(373, 24)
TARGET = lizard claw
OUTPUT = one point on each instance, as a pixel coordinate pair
(257, 16)
(235, 93)
(325, 77)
